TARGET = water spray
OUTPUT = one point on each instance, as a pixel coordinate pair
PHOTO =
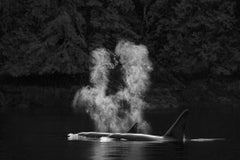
(108, 112)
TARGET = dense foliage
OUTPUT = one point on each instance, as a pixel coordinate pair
(56, 36)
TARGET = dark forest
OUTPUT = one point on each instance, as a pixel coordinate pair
(45, 50)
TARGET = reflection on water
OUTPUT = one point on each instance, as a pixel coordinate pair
(137, 150)
(116, 150)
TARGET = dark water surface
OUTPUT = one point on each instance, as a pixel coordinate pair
(44, 138)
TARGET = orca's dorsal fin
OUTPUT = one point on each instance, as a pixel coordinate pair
(133, 129)
(176, 131)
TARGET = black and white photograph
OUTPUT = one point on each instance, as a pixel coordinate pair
(119, 79)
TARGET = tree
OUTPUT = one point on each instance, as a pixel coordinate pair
(15, 36)
(56, 36)
(197, 36)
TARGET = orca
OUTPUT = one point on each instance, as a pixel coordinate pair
(174, 134)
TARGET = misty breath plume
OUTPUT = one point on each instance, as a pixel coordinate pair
(119, 111)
